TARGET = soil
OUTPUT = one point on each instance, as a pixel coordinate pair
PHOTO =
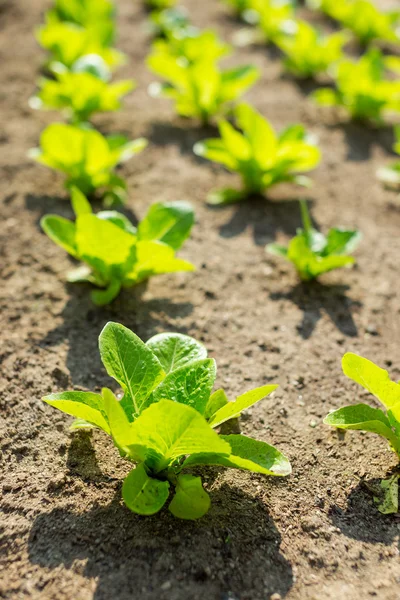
(317, 535)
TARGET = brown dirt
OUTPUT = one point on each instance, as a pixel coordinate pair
(65, 533)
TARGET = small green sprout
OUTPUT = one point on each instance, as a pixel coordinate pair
(67, 43)
(366, 21)
(274, 18)
(193, 79)
(385, 423)
(87, 158)
(87, 13)
(166, 418)
(309, 53)
(313, 253)
(80, 95)
(390, 175)
(261, 157)
(361, 89)
(116, 253)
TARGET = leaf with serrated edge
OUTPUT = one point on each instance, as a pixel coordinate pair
(83, 405)
(131, 363)
(233, 409)
(168, 430)
(143, 494)
(191, 501)
(175, 350)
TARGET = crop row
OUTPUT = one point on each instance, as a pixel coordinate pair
(165, 422)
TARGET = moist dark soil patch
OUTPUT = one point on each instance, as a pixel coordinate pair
(65, 533)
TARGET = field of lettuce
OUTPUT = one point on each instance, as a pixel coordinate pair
(199, 245)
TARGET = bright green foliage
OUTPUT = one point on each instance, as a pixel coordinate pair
(313, 253)
(366, 21)
(274, 18)
(390, 175)
(87, 158)
(239, 6)
(160, 4)
(261, 157)
(80, 95)
(361, 88)
(67, 43)
(385, 423)
(171, 23)
(116, 253)
(166, 435)
(192, 77)
(308, 52)
(87, 13)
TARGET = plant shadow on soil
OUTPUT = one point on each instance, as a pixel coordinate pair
(82, 322)
(361, 139)
(265, 218)
(361, 519)
(315, 298)
(181, 134)
(234, 549)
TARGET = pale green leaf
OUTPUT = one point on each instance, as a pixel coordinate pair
(61, 231)
(191, 501)
(83, 405)
(372, 378)
(233, 409)
(216, 401)
(143, 494)
(169, 223)
(175, 350)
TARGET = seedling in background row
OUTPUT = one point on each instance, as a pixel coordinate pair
(171, 23)
(366, 21)
(165, 421)
(309, 53)
(260, 156)
(159, 4)
(313, 253)
(87, 13)
(365, 418)
(80, 95)
(361, 89)
(87, 158)
(390, 175)
(117, 254)
(193, 80)
(274, 18)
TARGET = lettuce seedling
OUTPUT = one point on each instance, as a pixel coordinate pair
(166, 418)
(117, 254)
(80, 95)
(193, 79)
(261, 157)
(171, 23)
(309, 53)
(366, 21)
(68, 42)
(274, 18)
(385, 423)
(313, 253)
(87, 13)
(390, 175)
(361, 89)
(87, 158)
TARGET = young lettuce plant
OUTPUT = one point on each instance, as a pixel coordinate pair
(171, 23)
(385, 423)
(117, 254)
(274, 18)
(361, 89)
(193, 79)
(87, 13)
(261, 157)
(313, 253)
(87, 158)
(166, 420)
(366, 21)
(68, 43)
(390, 175)
(80, 95)
(309, 53)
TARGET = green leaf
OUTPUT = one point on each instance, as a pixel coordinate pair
(106, 296)
(61, 231)
(190, 385)
(191, 501)
(83, 405)
(117, 419)
(233, 409)
(216, 401)
(247, 454)
(155, 258)
(388, 500)
(132, 364)
(168, 430)
(117, 219)
(169, 223)
(80, 204)
(372, 378)
(143, 494)
(175, 350)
